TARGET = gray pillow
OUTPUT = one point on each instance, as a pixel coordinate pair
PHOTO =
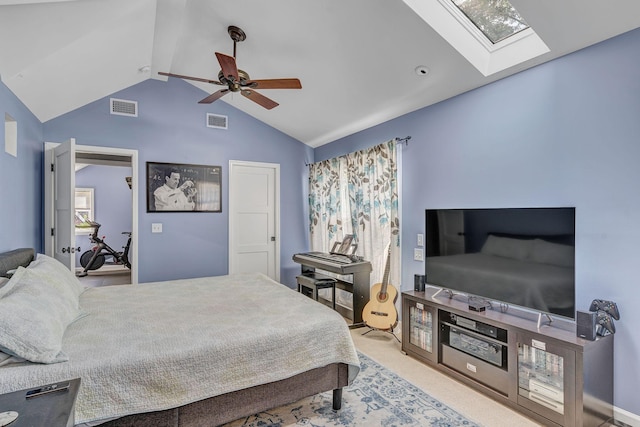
(14, 259)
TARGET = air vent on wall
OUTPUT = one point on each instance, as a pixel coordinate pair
(122, 107)
(216, 121)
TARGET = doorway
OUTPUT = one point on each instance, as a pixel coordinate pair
(103, 197)
(82, 160)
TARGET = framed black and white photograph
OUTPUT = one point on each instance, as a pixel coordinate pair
(175, 187)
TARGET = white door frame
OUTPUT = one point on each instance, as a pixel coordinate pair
(49, 197)
(232, 197)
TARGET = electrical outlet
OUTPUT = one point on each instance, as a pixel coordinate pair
(420, 239)
(417, 254)
(156, 227)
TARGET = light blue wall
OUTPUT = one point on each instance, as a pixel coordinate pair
(171, 127)
(565, 133)
(20, 178)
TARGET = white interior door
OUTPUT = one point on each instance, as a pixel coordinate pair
(254, 240)
(64, 184)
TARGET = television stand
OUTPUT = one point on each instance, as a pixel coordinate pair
(549, 374)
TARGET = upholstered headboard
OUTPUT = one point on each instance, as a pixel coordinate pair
(14, 259)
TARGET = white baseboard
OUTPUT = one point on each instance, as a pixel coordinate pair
(629, 418)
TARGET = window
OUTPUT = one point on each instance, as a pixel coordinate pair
(497, 19)
(490, 34)
(84, 210)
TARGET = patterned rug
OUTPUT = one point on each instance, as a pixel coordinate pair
(377, 397)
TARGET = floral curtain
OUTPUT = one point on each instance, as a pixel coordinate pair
(357, 194)
(326, 207)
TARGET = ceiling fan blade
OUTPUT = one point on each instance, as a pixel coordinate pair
(198, 79)
(214, 96)
(259, 99)
(275, 84)
(228, 65)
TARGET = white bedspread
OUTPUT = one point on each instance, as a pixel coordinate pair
(160, 345)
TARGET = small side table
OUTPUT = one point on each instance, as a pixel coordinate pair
(314, 281)
(51, 405)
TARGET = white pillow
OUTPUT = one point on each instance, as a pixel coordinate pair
(3, 287)
(34, 314)
(552, 253)
(507, 247)
(6, 359)
(54, 270)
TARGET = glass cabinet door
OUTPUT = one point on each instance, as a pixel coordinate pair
(545, 376)
(418, 329)
(421, 327)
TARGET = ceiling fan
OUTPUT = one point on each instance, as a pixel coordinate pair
(238, 80)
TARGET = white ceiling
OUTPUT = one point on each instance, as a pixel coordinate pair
(355, 58)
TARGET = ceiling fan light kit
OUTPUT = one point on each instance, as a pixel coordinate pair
(237, 80)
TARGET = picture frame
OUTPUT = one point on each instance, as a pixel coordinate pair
(344, 247)
(178, 187)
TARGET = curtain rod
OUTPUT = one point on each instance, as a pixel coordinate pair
(405, 140)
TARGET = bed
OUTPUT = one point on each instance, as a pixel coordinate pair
(527, 271)
(191, 352)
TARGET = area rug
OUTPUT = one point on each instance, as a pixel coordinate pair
(377, 397)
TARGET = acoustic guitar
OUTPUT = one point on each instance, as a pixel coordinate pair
(380, 312)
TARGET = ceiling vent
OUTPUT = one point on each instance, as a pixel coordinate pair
(122, 107)
(217, 121)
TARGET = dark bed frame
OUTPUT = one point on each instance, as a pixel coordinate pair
(228, 407)
(243, 403)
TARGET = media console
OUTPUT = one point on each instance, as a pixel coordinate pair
(547, 373)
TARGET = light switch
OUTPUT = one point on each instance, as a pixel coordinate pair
(420, 239)
(156, 227)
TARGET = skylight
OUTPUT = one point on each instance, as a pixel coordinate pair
(497, 19)
(490, 34)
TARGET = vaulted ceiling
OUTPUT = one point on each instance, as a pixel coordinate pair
(356, 59)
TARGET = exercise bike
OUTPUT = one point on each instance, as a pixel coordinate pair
(95, 257)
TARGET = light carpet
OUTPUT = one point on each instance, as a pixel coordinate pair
(377, 397)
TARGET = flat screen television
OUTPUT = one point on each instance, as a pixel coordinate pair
(510, 256)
